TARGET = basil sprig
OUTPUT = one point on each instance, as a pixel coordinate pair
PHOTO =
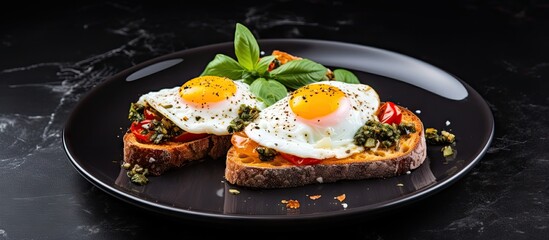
(270, 91)
(343, 75)
(272, 86)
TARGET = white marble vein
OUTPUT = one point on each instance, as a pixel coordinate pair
(19, 134)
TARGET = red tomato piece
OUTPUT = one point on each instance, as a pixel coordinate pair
(389, 113)
(140, 131)
(150, 114)
(187, 136)
(299, 160)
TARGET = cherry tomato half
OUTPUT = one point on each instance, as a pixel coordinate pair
(299, 160)
(389, 113)
(140, 132)
(187, 137)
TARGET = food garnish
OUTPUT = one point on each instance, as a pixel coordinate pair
(137, 174)
(374, 134)
(389, 113)
(445, 138)
(265, 153)
(270, 80)
(294, 204)
(234, 191)
(246, 114)
(341, 197)
(434, 137)
(315, 197)
(447, 151)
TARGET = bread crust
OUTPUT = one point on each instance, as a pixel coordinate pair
(371, 164)
(159, 158)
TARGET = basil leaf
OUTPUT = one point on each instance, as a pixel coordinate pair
(268, 91)
(297, 73)
(263, 64)
(343, 75)
(245, 47)
(224, 66)
(248, 77)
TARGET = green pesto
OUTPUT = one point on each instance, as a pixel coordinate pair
(137, 174)
(434, 137)
(265, 153)
(136, 112)
(447, 151)
(246, 114)
(387, 135)
(163, 129)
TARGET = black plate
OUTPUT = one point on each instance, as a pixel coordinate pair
(92, 138)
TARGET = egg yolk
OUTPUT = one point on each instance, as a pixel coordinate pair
(316, 100)
(207, 89)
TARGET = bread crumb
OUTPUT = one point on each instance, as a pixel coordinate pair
(319, 179)
(400, 185)
(151, 160)
(126, 165)
(294, 204)
(341, 197)
(315, 197)
(447, 123)
(233, 191)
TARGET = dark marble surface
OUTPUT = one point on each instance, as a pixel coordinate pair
(51, 55)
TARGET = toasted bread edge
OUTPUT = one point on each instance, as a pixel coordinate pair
(242, 174)
(159, 158)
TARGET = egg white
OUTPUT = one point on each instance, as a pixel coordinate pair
(279, 128)
(210, 118)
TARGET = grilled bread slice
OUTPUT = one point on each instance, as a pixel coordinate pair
(249, 171)
(159, 158)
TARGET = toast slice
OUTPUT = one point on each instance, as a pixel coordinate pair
(159, 158)
(249, 171)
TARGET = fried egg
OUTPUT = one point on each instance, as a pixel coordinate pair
(205, 104)
(318, 120)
